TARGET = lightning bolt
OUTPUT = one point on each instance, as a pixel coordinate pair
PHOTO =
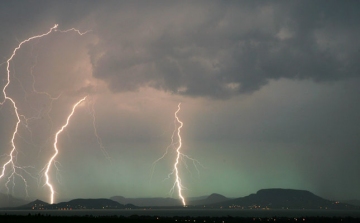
(9, 168)
(52, 192)
(99, 140)
(75, 30)
(11, 160)
(180, 157)
(177, 177)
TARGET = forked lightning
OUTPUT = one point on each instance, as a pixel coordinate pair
(57, 151)
(9, 168)
(179, 157)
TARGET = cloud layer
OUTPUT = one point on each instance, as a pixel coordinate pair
(223, 49)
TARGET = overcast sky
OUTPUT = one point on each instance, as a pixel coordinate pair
(269, 94)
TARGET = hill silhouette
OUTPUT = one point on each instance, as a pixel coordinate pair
(101, 203)
(264, 199)
(212, 199)
(34, 205)
(284, 199)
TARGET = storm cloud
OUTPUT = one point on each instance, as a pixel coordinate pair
(211, 49)
(218, 49)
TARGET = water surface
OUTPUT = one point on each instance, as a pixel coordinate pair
(191, 213)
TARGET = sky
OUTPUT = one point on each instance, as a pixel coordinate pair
(269, 95)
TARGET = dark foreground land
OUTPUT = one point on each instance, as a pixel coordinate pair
(38, 218)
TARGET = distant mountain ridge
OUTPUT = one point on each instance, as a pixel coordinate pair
(100, 203)
(212, 199)
(284, 199)
(264, 199)
(165, 202)
(37, 204)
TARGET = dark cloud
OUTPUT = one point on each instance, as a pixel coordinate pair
(216, 49)
(223, 49)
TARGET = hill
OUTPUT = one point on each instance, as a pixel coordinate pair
(101, 203)
(212, 199)
(34, 205)
(263, 199)
(283, 199)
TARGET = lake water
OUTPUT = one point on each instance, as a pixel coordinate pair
(193, 213)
